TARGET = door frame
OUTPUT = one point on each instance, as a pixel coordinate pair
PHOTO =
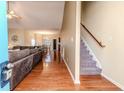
(77, 45)
(4, 41)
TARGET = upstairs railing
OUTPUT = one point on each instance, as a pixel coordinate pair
(99, 43)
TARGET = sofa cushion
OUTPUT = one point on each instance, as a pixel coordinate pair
(16, 55)
(33, 50)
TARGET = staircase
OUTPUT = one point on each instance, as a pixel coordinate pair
(87, 64)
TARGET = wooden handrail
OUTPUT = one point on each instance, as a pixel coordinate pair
(100, 43)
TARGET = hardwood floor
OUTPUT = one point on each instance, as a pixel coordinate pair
(52, 74)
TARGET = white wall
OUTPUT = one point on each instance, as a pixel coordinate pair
(68, 34)
(25, 37)
(71, 37)
(28, 38)
(106, 21)
(39, 39)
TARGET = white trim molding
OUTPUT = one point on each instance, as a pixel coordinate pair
(77, 43)
(113, 81)
(75, 81)
(68, 69)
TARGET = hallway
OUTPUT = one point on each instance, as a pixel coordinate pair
(52, 74)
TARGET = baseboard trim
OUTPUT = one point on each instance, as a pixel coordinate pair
(113, 81)
(75, 81)
(69, 70)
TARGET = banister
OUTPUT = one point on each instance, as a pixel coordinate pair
(100, 43)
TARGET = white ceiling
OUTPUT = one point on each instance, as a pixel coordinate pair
(37, 15)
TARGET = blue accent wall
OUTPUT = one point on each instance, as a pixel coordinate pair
(3, 38)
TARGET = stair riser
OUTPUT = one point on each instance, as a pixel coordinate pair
(82, 56)
(83, 47)
(82, 44)
(86, 55)
(86, 59)
(90, 70)
(87, 62)
(84, 50)
(89, 73)
(88, 65)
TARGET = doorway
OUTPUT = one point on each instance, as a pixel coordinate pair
(54, 44)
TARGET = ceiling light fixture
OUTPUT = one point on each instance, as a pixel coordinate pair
(11, 14)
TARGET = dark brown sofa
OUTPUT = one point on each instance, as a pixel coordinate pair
(23, 61)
